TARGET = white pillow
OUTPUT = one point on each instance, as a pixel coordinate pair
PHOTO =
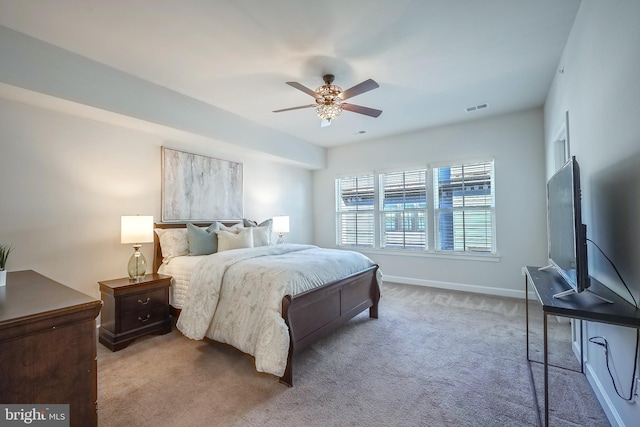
(261, 236)
(241, 240)
(235, 228)
(173, 242)
(261, 232)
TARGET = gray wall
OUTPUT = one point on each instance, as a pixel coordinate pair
(80, 146)
(66, 181)
(516, 143)
(27, 64)
(601, 90)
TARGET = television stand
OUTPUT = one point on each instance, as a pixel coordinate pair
(548, 283)
(573, 291)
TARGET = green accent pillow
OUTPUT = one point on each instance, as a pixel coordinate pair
(202, 241)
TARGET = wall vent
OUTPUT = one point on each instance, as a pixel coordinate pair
(476, 107)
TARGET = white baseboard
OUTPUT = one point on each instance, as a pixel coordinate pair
(512, 293)
(602, 396)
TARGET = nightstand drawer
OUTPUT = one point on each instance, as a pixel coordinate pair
(141, 318)
(143, 301)
(133, 309)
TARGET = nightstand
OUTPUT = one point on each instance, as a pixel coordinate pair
(133, 309)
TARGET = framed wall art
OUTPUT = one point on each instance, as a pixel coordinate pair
(200, 188)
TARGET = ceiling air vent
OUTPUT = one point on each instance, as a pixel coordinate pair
(476, 107)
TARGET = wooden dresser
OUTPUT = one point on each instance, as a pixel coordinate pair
(48, 345)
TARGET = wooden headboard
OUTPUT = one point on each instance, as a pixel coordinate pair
(157, 250)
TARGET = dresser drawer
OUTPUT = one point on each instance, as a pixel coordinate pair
(143, 300)
(141, 318)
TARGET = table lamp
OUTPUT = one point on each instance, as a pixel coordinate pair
(280, 225)
(137, 230)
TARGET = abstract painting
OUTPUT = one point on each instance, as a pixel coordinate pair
(200, 188)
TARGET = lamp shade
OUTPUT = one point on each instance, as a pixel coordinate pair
(136, 229)
(280, 224)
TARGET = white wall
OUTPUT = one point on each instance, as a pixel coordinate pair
(27, 64)
(66, 181)
(600, 88)
(515, 141)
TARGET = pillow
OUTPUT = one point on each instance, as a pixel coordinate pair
(173, 242)
(241, 240)
(248, 223)
(235, 228)
(202, 241)
(261, 232)
(261, 236)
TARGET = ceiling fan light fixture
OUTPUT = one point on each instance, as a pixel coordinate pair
(329, 111)
(329, 92)
(330, 99)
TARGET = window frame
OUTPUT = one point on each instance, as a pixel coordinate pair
(383, 211)
(431, 217)
(340, 213)
(462, 209)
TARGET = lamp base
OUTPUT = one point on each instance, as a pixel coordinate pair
(137, 266)
(280, 239)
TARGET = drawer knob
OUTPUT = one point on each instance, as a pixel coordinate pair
(145, 302)
(145, 319)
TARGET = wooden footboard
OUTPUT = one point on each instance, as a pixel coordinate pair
(316, 313)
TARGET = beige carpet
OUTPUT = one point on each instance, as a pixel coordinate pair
(434, 358)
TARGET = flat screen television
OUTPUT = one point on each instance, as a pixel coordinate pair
(567, 235)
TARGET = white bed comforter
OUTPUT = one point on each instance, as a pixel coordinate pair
(180, 269)
(235, 296)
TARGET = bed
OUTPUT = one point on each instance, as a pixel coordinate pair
(305, 315)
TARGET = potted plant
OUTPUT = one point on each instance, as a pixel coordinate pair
(5, 250)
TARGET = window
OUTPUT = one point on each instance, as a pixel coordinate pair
(464, 208)
(355, 211)
(403, 209)
(391, 210)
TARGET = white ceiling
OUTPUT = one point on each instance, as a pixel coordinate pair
(431, 58)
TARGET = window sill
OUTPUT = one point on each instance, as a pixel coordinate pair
(426, 254)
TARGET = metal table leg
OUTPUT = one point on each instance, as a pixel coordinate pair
(526, 309)
(546, 373)
(531, 379)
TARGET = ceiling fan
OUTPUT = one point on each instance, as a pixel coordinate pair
(330, 99)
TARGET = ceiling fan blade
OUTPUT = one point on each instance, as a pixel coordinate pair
(363, 87)
(303, 88)
(295, 108)
(361, 110)
(324, 123)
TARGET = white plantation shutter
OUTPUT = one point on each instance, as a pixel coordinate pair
(390, 210)
(355, 211)
(403, 209)
(464, 201)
